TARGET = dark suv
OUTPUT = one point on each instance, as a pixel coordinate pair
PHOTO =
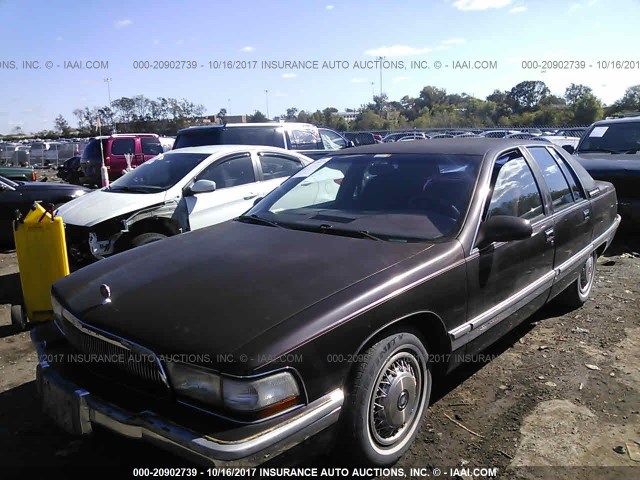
(610, 151)
(308, 139)
(142, 146)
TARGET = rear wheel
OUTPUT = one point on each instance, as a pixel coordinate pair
(387, 399)
(576, 294)
(145, 238)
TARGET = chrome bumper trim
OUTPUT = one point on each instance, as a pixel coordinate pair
(83, 411)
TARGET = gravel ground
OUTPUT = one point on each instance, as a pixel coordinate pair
(559, 397)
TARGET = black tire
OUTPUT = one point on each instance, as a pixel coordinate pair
(396, 366)
(145, 238)
(576, 294)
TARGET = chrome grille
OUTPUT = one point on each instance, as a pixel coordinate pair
(106, 354)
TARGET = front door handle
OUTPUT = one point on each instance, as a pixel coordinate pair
(550, 236)
(250, 196)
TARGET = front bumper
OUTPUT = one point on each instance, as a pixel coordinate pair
(78, 411)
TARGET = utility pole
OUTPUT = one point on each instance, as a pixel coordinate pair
(380, 59)
(266, 94)
(108, 82)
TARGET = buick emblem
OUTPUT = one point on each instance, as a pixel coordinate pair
(105, 291)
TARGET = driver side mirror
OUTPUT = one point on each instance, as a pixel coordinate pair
(350, 143)
(201, 186)
(503, 228)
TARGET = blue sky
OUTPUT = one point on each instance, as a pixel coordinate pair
(121, 32)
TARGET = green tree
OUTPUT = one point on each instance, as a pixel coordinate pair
(292, 114)
(576, 91)
(258, 116)
(587, 109)
(527, 95)
(62, 126)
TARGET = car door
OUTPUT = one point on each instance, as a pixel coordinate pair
(572, 222)
(118, 149)
(236, 189)
(11, 200)
(150, 147)
(512, 277)
(274, 169)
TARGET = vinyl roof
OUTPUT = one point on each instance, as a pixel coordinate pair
(450, 146)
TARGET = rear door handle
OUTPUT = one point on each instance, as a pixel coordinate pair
(550, 236)
(586, 213)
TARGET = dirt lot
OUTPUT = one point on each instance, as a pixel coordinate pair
(559, 393)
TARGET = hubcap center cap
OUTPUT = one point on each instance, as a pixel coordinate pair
(403, 400)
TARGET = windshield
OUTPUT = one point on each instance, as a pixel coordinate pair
(159, 173)
(395, 197)
(612, 138)
(197, 137)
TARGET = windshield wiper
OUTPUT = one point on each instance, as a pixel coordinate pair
(125, 188)
(325, 228)
(258, 220)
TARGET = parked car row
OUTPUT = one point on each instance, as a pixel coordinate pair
(323, 304)
(178, 191)
(39, 152)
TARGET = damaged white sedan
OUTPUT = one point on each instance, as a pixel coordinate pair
(175, 192)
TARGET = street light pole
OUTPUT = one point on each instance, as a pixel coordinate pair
(373, 93)
(266, 94)
(380, 59)
(108, 82)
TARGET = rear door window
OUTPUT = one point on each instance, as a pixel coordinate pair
(122, 146)
(278, 166)
(554, 178)
(305, 139)
(151, 146)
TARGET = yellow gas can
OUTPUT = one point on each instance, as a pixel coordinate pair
(42, 259)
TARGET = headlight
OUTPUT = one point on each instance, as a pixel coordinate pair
(267, 395)
(261, 397)
(56, 307)
(195, 383)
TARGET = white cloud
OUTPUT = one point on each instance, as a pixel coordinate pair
(575, 6)
(454, 41)
(467, 5)
(359, 80)
(248, 48)
(396, 51)
(518, 9)
(289, 75)
(123, 23)
(400, 79)
(329, 7)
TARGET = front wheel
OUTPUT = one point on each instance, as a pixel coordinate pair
(387, 399)
(145, 238)
(576, 294)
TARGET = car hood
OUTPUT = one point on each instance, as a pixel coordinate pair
(622, 164)
(51, 187)
(100, 205)
(213, 290)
